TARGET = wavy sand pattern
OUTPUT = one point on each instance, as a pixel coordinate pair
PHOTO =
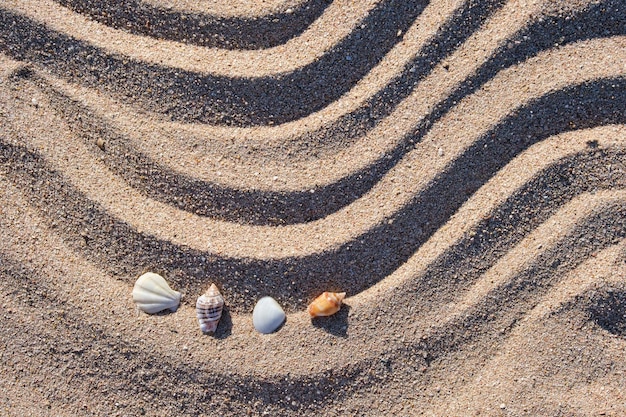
(458, 168)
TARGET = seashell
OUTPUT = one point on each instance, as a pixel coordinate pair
(209, 309)
(152, 294)
(267, 315)
(327, 304)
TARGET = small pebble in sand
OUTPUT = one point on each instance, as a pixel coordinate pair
(209, 308)
(152, 294)
(267, 315)
(100, 143)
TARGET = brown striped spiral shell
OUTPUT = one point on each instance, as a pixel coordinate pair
(209, 309)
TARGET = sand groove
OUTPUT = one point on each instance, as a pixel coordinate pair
(185, 56)
(255, 31)
(218, 99)
(458, 169)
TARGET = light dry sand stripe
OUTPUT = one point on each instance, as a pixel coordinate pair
(457, 131)
(245, 155)
(549, 235)
(422, 31)
(99, 297)
(511, 177)
(88, 289)
(81, 283)
(337, 22)
(517, 85)
(509, 20)
(494, 193)
(145, 324)
(506, 365)
(588, 275)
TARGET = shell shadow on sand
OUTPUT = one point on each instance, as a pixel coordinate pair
(225, 326)
(337, 324)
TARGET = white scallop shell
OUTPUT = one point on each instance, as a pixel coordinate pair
(209, 309)
(152, 294)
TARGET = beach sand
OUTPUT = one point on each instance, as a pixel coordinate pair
(457, 168)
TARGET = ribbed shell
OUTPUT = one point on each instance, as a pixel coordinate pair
(209, 309)
(152, 294)
(327, 304)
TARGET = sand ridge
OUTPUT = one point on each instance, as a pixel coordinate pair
(458, 168)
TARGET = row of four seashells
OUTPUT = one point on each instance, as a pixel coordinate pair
(152, 294)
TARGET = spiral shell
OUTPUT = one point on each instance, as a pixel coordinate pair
(209, 309)
(327, 304)
(152, 294)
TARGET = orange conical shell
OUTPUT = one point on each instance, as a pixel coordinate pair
(326, 304)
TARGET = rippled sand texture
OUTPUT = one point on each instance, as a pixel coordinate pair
(457, 167)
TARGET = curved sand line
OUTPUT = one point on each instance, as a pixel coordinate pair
(479, 208)
(225, 172)
(508, 366)
(212, 364)
(254, 28)
(526, 43)
(599, 14)
(214, 61)
(213, 98)
(547, 235)
(497, 289)
(234, 240)
(126, 250)
(415, 39)
(274, 205)
(234, 9)
(540, 234)
(187, 84)
(269, 273)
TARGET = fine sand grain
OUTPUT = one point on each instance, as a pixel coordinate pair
(458, 168)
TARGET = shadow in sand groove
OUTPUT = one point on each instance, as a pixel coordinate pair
(202, 383)
(354, 266)
(510, 222)
(257, 32)
(608, 310)
(492, 318)
(185, 95)
(499, 311)
(260, 207)
(275, 208)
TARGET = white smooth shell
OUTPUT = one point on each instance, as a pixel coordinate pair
(267, 315)
(152, 294)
